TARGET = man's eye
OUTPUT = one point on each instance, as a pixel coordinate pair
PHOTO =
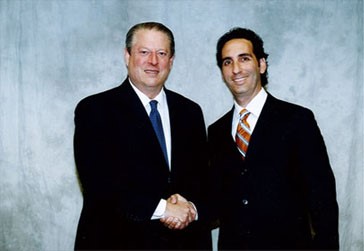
(143, 52)
(162, 53)
(244, 59)
(226, 62)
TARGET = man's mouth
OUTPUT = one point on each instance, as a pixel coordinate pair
(151, 72)
(239, 79)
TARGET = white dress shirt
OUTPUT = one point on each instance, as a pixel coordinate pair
(254, 107)
(164, 113)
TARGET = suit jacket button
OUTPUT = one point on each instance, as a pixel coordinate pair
(245, 202)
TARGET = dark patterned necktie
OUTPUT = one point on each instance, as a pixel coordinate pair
(155, 118)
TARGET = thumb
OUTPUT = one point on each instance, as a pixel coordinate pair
(173, 199)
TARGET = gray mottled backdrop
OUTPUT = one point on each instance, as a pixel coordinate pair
(53, 53)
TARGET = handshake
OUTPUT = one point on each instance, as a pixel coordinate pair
(179, 212)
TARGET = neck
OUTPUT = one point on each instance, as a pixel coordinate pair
(244, 99)
(152, 92)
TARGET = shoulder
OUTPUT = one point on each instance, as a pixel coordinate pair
(175, 100)
(104, 99)
(98, 97)
(98, 106)
(287, 113)
(223, 121)
(286, 108)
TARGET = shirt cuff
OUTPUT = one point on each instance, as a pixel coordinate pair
(159, 211)
(196, 218)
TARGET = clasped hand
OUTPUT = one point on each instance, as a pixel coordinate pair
(179, 212)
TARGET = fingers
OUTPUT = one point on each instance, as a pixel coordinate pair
(175, 198)
(180, 197)
(174, 223)
(193, 211)
(179, 213)
(180, 210)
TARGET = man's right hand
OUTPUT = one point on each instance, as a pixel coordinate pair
(179, 212)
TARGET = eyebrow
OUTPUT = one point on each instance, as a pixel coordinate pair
(239, 56)
(223, 59)
(245, 55)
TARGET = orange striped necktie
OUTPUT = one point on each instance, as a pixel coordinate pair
(243, 133)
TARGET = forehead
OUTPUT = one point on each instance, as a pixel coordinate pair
(237, 46)
(151, 38)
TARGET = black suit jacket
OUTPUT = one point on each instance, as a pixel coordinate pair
(283, 195)
(123, 173)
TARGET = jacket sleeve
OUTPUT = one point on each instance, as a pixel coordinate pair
(104, 182)
(319, 182)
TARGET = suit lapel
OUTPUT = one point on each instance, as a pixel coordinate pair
(228, 124)
(227, 141)
(133, 106)
(174, 122)
(134, 113)
(264, 127)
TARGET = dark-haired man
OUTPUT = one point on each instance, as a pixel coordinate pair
(275, 186)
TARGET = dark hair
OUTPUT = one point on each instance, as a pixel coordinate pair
(247, 34)
(149, 26)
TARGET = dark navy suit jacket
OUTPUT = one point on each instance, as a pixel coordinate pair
(123, 173)
(283, 195)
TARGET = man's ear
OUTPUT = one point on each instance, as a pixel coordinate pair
(262, 65)
(126, 56)
(171, 61)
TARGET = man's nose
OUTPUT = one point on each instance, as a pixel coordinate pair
(153, 59)
(235, 68)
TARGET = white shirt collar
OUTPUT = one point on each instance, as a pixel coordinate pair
(164, 113)
(256, 104)
(161, 97)
(255, 107)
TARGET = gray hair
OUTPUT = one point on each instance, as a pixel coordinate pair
(149, 26)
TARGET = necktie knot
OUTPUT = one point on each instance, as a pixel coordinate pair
(153, 104)
(244, 114)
